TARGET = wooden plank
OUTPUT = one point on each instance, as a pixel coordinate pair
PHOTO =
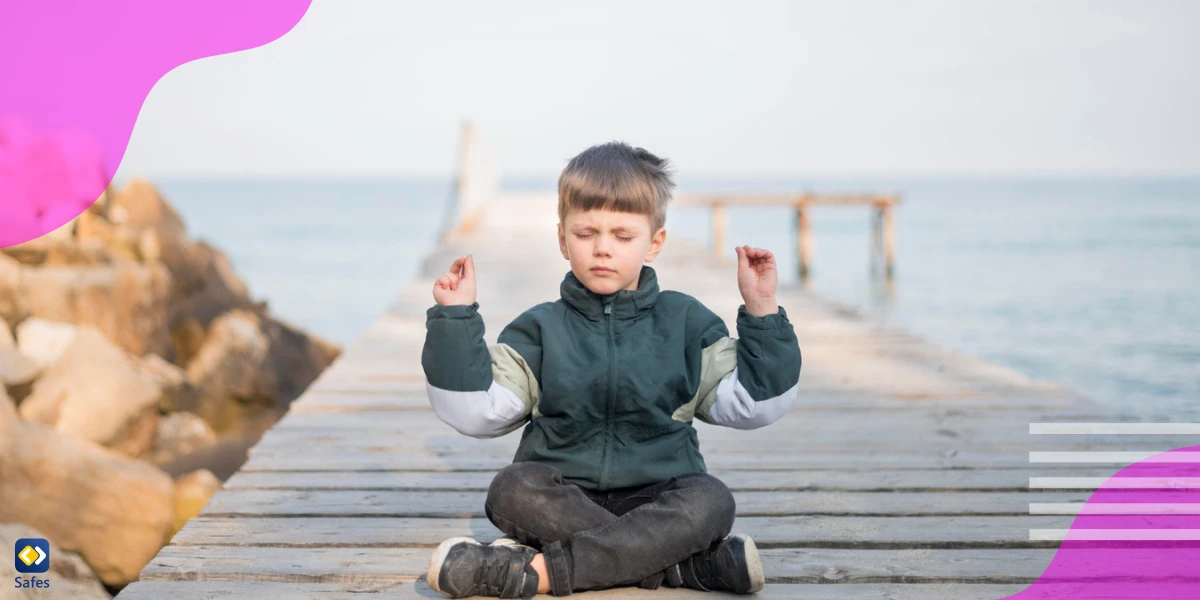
(155, 590)
(420, 429)
(306, 503)
(360, 566)
(833, 480)
(497, 457)
(768, 532)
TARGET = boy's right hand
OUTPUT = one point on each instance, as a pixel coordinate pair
(456, 286)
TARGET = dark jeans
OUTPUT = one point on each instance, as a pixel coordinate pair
(595, 540)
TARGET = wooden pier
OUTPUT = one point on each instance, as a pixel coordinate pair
(903, 472)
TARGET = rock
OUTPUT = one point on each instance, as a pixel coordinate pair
(44, 341)
(297, 357)
(116, 512)
(140, 205)
(92, 226)
(6, 336)
(127, 302)
(233, 366)
(16, 369)
(171, 379)
(71, 576)
(211, 285)
(13, 306)
(192, 492)
(187, 336)
(8, 411)
(179, 434)
(95, 392)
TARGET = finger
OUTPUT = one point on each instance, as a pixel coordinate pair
(453, 279)
(469, 268)
(743, 260)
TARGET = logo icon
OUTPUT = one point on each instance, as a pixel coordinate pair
(32, 555)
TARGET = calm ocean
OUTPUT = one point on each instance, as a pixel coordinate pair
(1092, 283)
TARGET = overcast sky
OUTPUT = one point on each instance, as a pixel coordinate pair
(378, 88)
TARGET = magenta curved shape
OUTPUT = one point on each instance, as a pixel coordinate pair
(1137, 536)
(73, 77)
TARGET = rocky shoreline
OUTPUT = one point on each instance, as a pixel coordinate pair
(135, 372)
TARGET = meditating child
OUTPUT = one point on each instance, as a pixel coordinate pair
(608, 487)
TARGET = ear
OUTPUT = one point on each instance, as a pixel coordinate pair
(656, 243)
(562, 242)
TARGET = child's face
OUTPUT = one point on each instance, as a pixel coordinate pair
(607, 248)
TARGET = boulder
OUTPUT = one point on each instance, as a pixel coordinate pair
(13, 305)
(95, 392)
(93, 227)
(192, 492)
(139, 205)
(187, 336)
(127, 302)
(114, 511)
(232, 367)
(16, 369)
(8, 411)
(171, 379)
(71, 576)
(180, 434)
(74, 252)
(44, 341)
(296, 357)
(211, 286)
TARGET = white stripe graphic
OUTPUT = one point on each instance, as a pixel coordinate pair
(1115, 429)
(1113, 508)
(1111, 483)
(1149, 456)
(1059, 535)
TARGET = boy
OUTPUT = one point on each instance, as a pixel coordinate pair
(608, 482)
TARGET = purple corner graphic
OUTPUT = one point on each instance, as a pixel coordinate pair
(1137, 536)
(75, 75)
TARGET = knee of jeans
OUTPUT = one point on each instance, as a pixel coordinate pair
(720, 508)
(514, 483)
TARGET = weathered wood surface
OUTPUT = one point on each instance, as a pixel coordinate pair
(904, 472)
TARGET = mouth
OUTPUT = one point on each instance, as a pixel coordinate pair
(602, 270)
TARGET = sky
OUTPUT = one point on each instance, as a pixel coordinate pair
(378, 88)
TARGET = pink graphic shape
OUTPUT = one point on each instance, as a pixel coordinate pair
(1154, 552)
(75, 74)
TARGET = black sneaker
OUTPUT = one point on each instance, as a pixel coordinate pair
(731, 565)
(462, 567)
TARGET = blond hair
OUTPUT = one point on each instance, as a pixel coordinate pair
(616, 176)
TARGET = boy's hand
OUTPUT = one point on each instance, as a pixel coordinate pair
(456, 286)
(756, 280)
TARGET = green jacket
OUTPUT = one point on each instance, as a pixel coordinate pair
(607, 386)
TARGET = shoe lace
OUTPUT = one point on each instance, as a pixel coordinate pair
(492, 575)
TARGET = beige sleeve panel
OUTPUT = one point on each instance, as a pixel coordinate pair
(510, 370)
(716, 363)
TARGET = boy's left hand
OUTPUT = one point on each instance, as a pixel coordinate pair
(757, 280)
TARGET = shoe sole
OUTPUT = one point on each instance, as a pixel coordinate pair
(439, 557)
(754, 566)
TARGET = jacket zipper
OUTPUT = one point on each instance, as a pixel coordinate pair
(612, 392)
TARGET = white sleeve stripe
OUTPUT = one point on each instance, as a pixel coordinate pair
(477, 414)
(735, 408)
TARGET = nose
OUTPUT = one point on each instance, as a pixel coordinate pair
(603, 246)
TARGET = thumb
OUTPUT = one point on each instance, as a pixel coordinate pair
(743, 260)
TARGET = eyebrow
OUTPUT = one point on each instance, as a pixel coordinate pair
(578, 228)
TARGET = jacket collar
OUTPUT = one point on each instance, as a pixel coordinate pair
(626, 304)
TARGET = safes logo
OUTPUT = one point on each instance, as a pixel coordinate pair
(32, 555)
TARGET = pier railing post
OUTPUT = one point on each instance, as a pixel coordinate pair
(718, 231)
(803, 240)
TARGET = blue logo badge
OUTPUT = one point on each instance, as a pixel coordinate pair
(32, 555)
